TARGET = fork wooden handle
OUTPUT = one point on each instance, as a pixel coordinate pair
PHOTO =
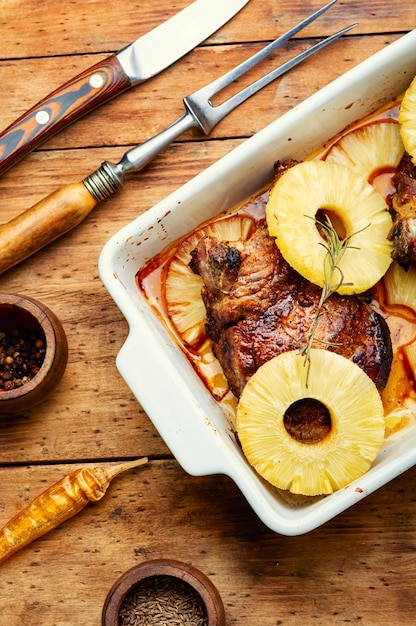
(82, 94)
(43, 223)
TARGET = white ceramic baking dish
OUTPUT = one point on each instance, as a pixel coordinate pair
(159, 375)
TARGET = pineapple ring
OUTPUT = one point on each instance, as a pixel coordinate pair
(400, 286)
(407, 120)
(371, 148)
(294, 201)
(357, 422)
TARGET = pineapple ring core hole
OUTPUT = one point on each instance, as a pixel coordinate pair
(307, 421)
(337, 223)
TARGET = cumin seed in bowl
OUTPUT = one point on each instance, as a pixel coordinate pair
(163, 601)
(163, 592)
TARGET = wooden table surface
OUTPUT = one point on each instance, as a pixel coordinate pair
(359, 568)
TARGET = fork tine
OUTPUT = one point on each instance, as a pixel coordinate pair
(229, 105)
(223, 81)
(207, 116)
(199, 113)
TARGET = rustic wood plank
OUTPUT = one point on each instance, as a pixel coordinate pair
(148, 108)
(37, 29)
(356, 569)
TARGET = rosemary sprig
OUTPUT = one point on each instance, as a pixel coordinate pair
(333, 277)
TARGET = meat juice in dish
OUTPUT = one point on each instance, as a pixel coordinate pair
(246, 331)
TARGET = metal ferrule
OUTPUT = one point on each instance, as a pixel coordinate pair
(103, 183)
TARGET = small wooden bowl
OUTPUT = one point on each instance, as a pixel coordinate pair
(21, 313)
(132, 579)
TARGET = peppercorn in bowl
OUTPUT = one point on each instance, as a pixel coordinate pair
(33, 352)
(157, 361)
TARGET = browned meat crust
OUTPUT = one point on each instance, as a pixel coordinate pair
(403, 201)
(403, 237)
(258, 306)
(403, 211)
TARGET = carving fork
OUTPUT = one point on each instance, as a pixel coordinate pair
(67, 207)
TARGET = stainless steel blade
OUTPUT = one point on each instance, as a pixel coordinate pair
(167, 43)
(112, 76)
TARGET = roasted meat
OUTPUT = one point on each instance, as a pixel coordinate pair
(258, 306)
(403, 210)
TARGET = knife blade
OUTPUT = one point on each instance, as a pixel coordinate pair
(139, 61)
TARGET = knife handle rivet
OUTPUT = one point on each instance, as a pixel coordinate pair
(42, 117)
(96, 81)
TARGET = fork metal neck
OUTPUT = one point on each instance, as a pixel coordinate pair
(109, 177)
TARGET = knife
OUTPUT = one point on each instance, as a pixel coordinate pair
(142, 59)
(67, 207)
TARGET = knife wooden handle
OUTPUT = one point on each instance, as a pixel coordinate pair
(82, 94)
(43, 223)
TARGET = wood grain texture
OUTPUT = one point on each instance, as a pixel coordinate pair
(148, 108)
(358, 568)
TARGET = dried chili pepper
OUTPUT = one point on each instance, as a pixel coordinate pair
(58, 503)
